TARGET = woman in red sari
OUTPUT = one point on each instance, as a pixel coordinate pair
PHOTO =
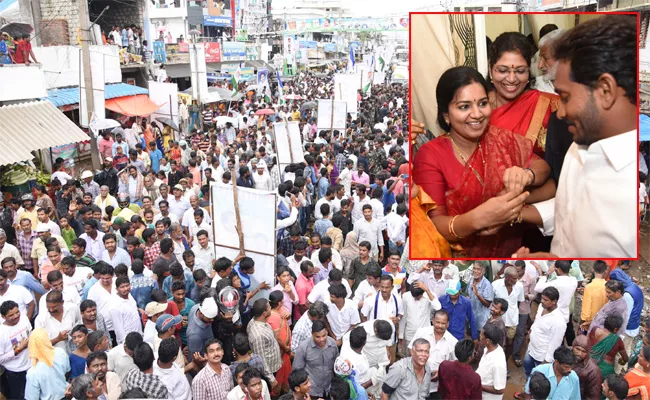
(476, 173)
(517, 107)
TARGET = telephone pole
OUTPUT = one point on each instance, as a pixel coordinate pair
(84, 25)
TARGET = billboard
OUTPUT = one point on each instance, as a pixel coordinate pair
(212, 52)
(177, 53)
(307, 44)
(246, 73)
(159, 53)
(289, 49)
(234, 51)
(347, 25)
(329, 47)
(210, 20)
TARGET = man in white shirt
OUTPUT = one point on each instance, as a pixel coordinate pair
(564, 283)
(262, 178)
(385, 304)
(188, 216)
(329, 196)
(44, 218)
(431, 275)
(59, 319)
(419, 304)
(73, 276)
(203, 250)
(343, 315)
(511, 290)
(124, 313)
(370, 229)
(14, 334)
(178, 204)
(101, 293)
(17, 294)
(320, 292)
(594, 212)
(442, 344)
(345, 177)
(546, 333)
(396, 223)
(70, 294)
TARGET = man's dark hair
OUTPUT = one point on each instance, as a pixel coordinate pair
(137, 266)
(132, 340)
(383, 329)
(564, 355)
(386, 277)
(552, 293)
(317, 326)
(241, 344)
(539, 386)
(358, 337)
(491, 332)
(166, 245)
(613, 322)
(143, 356)
(600, 266)
(168, 350)
(324, 254)
(297, 378)
(7, 306)
(222, 264)
(340, 389)
(251, 373)
(600, 46)
(618, 385)
(338, 290)
(464, 350)
(94, 338)
(615, 286)
(502, 302)
(159, 296)
(260, 307)
(86, 304)
(134, 393)
(547, 29)
(564, 266)
(95, 355)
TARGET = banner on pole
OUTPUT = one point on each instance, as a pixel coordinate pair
(325, 115)
(345, 89)
(282, 132)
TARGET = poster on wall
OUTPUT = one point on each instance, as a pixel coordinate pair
(234, 51)
(177, 53)
(345, 88)
(289, 53)
(262, 77)
(257, 211)
(282, 132)
(327, 120)
(212, 52)
(159, 53)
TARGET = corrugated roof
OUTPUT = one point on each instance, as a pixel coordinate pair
(33, 126)
(66, 96)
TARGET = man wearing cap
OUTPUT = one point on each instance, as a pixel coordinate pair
(153, 310)
(262, 178)
(178, 204)
(460, 312)
(185, 152)
(29, 210)
(125, 208)
(88, 185)
(199, 326)
(39, 251)
(44, 218)
(166, 328)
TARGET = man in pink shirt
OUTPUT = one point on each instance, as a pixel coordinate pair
(106, 146)
(304, 285)
(360, 178)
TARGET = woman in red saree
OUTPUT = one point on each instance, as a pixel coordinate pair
(476, 173)
(282, 331)
(517, 107)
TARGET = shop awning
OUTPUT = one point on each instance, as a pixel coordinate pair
(133, 106)
(66, 96)
(34, 126)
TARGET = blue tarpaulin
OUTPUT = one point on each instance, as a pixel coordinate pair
(644, 128)
(67, 96)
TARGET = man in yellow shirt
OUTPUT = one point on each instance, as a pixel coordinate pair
(29, 210)
(594, 297)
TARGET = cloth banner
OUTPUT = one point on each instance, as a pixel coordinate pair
(325, 115)
(345, 88)
(282, 143)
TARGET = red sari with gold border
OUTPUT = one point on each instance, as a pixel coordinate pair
(528, 116)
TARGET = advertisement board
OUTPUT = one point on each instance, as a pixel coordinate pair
(234, 51)
(175, 53)
(348, 24)
(159, 53)
(222, 21)
(212, 52)
(246, 73)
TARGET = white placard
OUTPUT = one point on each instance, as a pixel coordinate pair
(282, 143)
(325, 115)
(199, 79)
(167, 95)
(379, 78)
(345, 88)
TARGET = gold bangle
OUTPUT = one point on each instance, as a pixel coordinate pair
(451, 228)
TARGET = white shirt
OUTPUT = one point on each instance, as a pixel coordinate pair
(174, 380)
(417, 314)
(70, 296)
(71, 318)
(511, 317)
(238, 394)
(375, 348)
(385, 309)
(125, 316)
(94, 247)
(357, 209)
(321, 291)
(104, 301)
(62, 176)
(9, 250)
(396, 226)
(336, 259)
(591, 214)
(437, 286)
(360, 363)
(564, 284)
(78, 279)
(10, 335)
(440, 351)
(546, 335)
(18, 294)
(319, 203)
(149, 333)
(159, 216)
(205, 255)
(178, 207)
(194, 229)
(54, 228)
(262, 182)
(346, 179)
(363, 291)
(188, 217)
(342, 320)
(295, 265)
(370, 231)
(493, 371)
(119, 361)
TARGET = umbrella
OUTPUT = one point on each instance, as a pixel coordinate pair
(118, 130)
(265, 111)
(293, 97)
(309, 105)
(194, 32)
(104, 124)
(221, 120)
(16, 28)
(169, 122)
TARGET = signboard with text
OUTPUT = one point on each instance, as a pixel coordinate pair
(159, 53)
(177, 53)
(234, 51)
(212, 52)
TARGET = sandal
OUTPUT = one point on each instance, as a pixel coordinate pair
(518, 362)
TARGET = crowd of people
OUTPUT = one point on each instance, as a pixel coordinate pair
(508, 176)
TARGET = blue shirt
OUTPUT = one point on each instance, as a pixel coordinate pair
(125, 38)
(45, 382)
(245, 278)
(322, 225)
(141, 288)
(189, 283)
(481, 312)
(87, 287)
(323, 184)
(155, 157)
(567, 389)
(27, 280)
(459, 313)
(120, 257)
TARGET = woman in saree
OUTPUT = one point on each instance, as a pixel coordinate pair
(282, 331)
(476, 173)
(517, 107)
(427, 241)
(605, 344)
(639, 377)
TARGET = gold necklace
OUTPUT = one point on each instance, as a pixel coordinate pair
(462, 155)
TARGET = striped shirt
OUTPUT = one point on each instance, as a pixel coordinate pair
(210, 385)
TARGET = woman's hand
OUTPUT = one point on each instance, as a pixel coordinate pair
(501, 209)
(524, 252)
(515, 179)
(417, 128)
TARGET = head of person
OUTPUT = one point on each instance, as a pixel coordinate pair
(386, 286)
(86, 386)
(615, 387)
(580, 348)
(9, 311)
(510, 276)
(79, 335)
(499, 307)
(168, 350)
(564, 360)
(319, 333)
(463, 350)
(143, 357)
(453, 289)
(97, 341)
(614, 290)
(539, 386)
(547, 63)
(213, 351)
(563, 267)
(440, 321)
(420, 352)
(550, 297)
(299, 382)
(509, 61)
(520, 267)
(252, 383)
(97, 363)
(600, 267)
(613, 323)
(596, 76)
